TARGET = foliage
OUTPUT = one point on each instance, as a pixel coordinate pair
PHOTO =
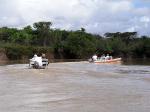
(79, 45)
(41, 38)
(16, 51)
(43, 32)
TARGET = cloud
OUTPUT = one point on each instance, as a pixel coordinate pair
(145, 19)
(97, 16)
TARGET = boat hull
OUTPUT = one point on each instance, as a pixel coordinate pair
(108, 61)
(34, 64)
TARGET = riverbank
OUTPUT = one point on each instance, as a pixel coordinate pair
(135, 61)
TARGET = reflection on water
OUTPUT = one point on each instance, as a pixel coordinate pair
(75, 87)
(137, 61)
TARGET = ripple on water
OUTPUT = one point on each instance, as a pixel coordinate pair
(75, 87)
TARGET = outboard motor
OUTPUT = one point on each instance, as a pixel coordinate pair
(36, 65)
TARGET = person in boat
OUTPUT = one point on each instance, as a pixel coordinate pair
(43, 56)
(102, 57)
(108, 57)
(44, 59)
(94, 57)
(37, 60)
(34, 57)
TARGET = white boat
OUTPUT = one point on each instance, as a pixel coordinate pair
(35, 64)
(106, 60)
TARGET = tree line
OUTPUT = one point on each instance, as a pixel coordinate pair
(78, 44)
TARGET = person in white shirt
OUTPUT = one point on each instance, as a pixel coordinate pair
(107, 57)
(94, 57)
(38, 60)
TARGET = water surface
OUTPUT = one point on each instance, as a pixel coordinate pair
(75, 87)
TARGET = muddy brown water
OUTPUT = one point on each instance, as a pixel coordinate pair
(75, 87)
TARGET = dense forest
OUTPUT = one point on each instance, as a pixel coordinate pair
(41, 38)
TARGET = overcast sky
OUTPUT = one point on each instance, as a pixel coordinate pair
(96, 16)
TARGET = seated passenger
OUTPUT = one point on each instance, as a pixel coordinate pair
(94, 57)
(43, 56)
(110, 57)
(37, 59)
(107, 57)
(102, 57)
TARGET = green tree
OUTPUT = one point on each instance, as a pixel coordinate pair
(79, 45)
(43, 32)
(6, 34)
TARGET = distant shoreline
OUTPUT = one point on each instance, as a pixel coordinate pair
(127, 61)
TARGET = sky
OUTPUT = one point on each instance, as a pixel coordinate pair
(96, 16)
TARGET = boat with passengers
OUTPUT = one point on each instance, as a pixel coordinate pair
(38, 62)
(104, 59)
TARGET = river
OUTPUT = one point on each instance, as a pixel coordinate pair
(75, 87)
